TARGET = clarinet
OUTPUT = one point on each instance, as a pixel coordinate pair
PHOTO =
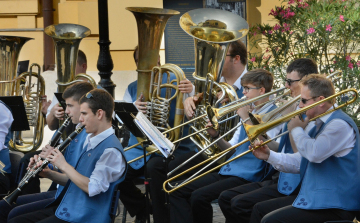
(53, 142)
(11, 198)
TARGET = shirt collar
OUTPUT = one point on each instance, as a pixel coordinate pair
(92, 141)
(324, 118)
(238, 81)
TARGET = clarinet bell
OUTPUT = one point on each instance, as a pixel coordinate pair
(11, 198)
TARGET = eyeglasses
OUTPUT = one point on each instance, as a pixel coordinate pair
(304, 101)
(89, 95)
(247, 89)
(289, 81)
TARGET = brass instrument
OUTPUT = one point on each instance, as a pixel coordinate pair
(151, 23)
(67, 39)
(213, 30)
(254, 131)
(25, 86)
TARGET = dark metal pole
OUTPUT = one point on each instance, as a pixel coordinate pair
(105, 63)
(49, 53)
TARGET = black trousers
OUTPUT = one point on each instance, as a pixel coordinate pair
(290, 214)
(4, 183)
(131, 196)
(157, 174)
(46, 215)
(192, 203)
(237, 203)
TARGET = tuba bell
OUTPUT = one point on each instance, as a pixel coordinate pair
(25, 86)
(213, 30)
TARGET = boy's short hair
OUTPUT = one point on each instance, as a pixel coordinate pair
(259, 78)
(81, 58)
(239, 48)
(319, 85)
(304, 66)
(99, 99)
(77, 90)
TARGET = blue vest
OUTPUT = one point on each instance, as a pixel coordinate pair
(76, 205)
(72, 153)
(185, 145)
(248, 166)
(287, 182)
(239, 93)
(333, 183)
(4, 154)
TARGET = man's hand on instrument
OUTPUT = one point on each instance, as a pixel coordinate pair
(296, 122)
(45, 104)
(33, 161)
(185, 86)
(212, 132)
(58, 112)
(189, 106)
(219, 95)
(140, 105)
(243, 112)
(46, 151)
(262, 152)
(57, 158)
(45, 173)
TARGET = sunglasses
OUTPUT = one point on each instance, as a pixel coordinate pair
(304, 101)
(289, 81)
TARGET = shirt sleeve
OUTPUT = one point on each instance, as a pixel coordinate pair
(53, 103)
(109, 168)
(192, 93)
(127, 96)
(6, 120)
(288, 163)
(337, 138)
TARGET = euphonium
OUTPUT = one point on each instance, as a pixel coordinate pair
(213, 30)
(25, 86)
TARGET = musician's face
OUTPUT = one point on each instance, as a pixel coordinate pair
(294, 85)
(251, 91)
(309, 99)
(72, 110)
(88, 119)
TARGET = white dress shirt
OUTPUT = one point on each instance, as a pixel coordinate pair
(271, 133)
(54, 101)
(109, 168)
(237, 83)
(6, 120)
(336, 139)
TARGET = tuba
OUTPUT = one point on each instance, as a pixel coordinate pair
(151, 23)
(24, 85)
(67, 38)
(213, 30)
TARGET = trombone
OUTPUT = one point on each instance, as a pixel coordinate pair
(228, 110)
(254, 131)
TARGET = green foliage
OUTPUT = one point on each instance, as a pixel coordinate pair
(327, 31)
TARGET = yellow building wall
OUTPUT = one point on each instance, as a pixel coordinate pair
(27, 14)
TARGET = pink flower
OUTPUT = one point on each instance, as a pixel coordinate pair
(334, 61)
(341, 18)
(267, 50)
(358, 63)
(328, 28)
(291, 2)
(351, 66)
(255, 33)
(291, 32)
(310, 30)
(276, 27)
(286, 27)
(253, 59)
(269, 32)
(348, 58)
(273, 12)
